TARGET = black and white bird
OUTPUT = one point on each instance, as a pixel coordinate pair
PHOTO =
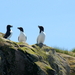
(41, 36)
(8, 33)
(22, 37)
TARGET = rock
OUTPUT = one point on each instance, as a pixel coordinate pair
(70, 60)
(23, 59)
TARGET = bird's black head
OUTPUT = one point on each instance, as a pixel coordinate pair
(8, 27)
(21, 29)
(41, 28)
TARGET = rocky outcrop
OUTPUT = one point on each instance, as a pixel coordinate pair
(23, 59)
(71, 61)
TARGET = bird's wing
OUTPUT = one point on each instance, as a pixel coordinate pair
(37, 39)
(26, 37)
(6, 35)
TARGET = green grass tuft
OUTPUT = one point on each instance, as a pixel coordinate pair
(73, 50)
(71, 53)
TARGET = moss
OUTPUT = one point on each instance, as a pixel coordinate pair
(36, 46)
(40, 51)
(1, 34)
(25, 49)
(33, 51)
(1, 40)
(46, 68)
(43, 65)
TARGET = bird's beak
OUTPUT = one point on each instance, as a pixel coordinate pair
(11, 26)
(18, 28)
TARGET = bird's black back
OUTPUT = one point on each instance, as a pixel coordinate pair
(7, 34)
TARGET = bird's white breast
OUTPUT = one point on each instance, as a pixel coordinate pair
(10, 35)
(22, 37)
(41, 38)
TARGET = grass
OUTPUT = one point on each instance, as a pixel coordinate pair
(71, 53)
(73, 50)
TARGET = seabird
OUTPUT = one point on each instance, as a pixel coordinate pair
(41, 36)
(22, 37)
(8, 33)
